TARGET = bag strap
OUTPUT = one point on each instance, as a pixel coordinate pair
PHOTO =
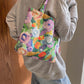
(43, 6)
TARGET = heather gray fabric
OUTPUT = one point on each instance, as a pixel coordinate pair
(36, 80)
(65, 12)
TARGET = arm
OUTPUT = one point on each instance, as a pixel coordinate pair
(11, 21)
(74, 15)
(67, 20)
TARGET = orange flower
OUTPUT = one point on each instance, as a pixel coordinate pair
(41, 37)
(35, 39)
(42, 54)
(34, 25)
(37, 45)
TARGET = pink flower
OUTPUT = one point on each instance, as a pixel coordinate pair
(49, 24)
(24, 37)
(29, 48)
(43, 32)
(29, 17)
(50, 46)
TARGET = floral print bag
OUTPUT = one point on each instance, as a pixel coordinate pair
(37, 38)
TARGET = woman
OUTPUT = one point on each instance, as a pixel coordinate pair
(66, 16)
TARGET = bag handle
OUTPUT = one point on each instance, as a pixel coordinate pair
(43, 6)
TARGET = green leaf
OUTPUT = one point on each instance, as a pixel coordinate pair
(33, 21)
(24, 45)
(31, 9)
(18, 41)
(41, 21)
(25, 26)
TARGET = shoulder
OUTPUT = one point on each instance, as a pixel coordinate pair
(71, 2)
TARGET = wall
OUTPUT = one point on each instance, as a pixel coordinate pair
(74, 50)
(82, 79)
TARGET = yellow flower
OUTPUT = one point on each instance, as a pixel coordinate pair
(45, 16)
(49, 56)
(41, 37)
(38, 22)
(36, 14)
(50, 33)
(29, 24)
(35, 39)
(32, 53)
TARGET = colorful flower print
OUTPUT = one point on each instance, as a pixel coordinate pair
(38, 22)
(43, 32)
(32, 53)
(29, 9)
(41, 21)
(37, 45)
(50, 46)
(34, 25)
(29, 25)
(36, 14)
(43, 46)
(18, 46)
(48, 25)
(41, 37)
(22, 51)
(44, 41)
(32, 20)
(50, 32)
(29, 17)
(48, 39)
(40, 49)
(35, 39)
(24, 37)
(35, 32)
(29, 48)
(48, 57)
(31, 33)
(45, 16)
(42, 54)
(29, 43)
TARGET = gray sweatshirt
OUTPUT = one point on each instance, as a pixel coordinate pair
(66, 17)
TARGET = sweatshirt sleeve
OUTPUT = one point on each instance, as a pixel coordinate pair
(67, 20)
(11, 21)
